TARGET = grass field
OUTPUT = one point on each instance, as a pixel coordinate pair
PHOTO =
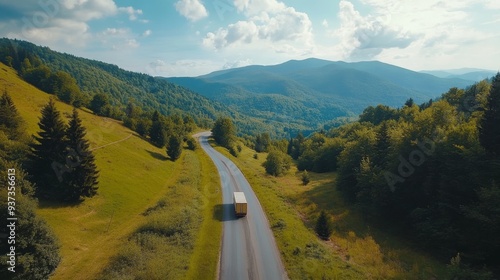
(355, 250)
(134, 176)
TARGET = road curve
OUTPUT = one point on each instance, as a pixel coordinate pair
(249, 250)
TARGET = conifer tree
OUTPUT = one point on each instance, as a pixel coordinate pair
(323, 227)
(157, 131)
(489, 129)
(48, 152)
(10, 120)
(81, 177)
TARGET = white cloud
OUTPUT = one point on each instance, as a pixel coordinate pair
(236, 63)
(182, 67)
(191, 9)
(365, 37)
(132, 13)
(325, 23)
(269, 22)
(147, 33)
(63, 24)
(118, 39)
(419, 34)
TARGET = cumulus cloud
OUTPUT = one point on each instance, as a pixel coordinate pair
(61, 23)
(193, 10)
(147, 33)
(267, 21)
(365, 37)
(132, 13)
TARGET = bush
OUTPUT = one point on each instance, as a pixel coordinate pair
(277, 163)
(191, 142)
(305, 178)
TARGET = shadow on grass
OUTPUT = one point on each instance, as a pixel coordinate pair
(224, 212)
(51, 204)
(157, 155)
(347, 216)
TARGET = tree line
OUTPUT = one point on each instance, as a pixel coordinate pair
(36, 247)
(431, 170)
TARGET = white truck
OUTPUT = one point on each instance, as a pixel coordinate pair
(240, 204)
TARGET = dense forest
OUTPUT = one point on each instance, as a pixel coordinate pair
(429, 171)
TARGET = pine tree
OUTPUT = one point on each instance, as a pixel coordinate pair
(489, 129)
(81, 178)
(323, 227)
(10, 120)
(174, 148)
(157, 131)
(49, 152)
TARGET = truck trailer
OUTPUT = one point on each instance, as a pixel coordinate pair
(240, 204)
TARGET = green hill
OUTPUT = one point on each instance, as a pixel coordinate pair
(151, 93)
(314, 91)
(134, 176)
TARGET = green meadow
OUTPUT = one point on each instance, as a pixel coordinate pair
(134, 176)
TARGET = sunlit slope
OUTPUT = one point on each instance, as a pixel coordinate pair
(133, 176)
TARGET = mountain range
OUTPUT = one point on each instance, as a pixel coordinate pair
(282, 99)
(315, 91)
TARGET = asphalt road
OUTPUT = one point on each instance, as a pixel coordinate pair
(249, 250)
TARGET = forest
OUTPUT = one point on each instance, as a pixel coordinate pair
(430, 172)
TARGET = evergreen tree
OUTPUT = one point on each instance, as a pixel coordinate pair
(82, 175)
(157, 132)
(323, 226)
(489, 129)
(174, 149)
(10, 120)
(49, 152)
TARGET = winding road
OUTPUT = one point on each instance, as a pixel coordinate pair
(249, 250)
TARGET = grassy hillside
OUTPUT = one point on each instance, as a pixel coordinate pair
(134, 176)
(355, 250)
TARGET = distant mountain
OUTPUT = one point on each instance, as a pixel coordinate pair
(470, 74)
(314, 91)
(153, 93)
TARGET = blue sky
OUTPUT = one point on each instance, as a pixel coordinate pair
(194, 37)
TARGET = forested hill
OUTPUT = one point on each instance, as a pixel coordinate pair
(317, 91)
(120, 85)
